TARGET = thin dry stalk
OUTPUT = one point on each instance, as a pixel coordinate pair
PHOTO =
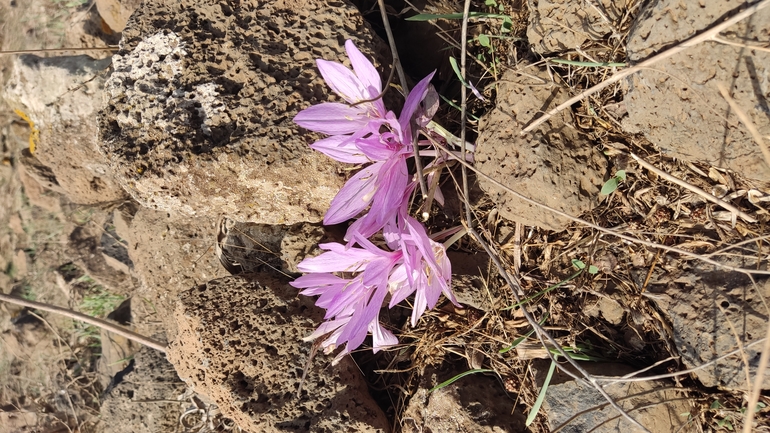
(61, 50)
(99, 323)
(746, 217)
(513, 283)
(608, 379)
(738, 341)
(746, 122)
(759, 379)
(709, 34)
(612, 232)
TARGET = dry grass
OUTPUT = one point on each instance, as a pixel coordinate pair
(647, 207)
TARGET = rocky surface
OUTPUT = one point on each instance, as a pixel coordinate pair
(240, 343)
(142, 398)
(201, 102)
(711, 311)
(677, 103)
(578, 407)
(170, 255)
(555, 165)
(61, 96)
(560, 25)
(474, 404)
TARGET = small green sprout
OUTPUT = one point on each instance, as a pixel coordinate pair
(612, 184)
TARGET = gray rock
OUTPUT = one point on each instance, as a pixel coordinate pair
(474, 404)
(62, 96)
(140, 399)
(581, 408)
(554, 165)
(203, 128)
(240, 343)
(708, 309)
(677, 104)
(560, 25)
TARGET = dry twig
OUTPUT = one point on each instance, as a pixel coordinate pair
(709, 34)
(103, 324)
(746, 217)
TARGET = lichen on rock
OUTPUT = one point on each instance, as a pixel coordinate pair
(201, 102)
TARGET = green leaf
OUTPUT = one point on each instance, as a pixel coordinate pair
(507, 25)
(716, 405)
(456, 68)
(541, 396)
(458, 377)
(578, 264)
(593, 270)
(484, 41)
(490, 3)
(610, 186)
(620, 175)
(588, 64)
(456, 16)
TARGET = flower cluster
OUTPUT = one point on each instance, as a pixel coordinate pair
(364, 132)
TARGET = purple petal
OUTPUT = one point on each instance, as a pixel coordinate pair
(476, 91)
(340, 148)
(412, 102)
(342, 80)
(340, 260)
(332, 118)
(365, 70)
(381, 337)
(354, 196)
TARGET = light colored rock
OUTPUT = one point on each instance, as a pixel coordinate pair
(582, 408)
(708, 309)
(140, 399)
(62, 95)
(677, 104)
(473, 404)
(560, 25)
(555, 165)
(205, 129)
(170, 255)
(240, 343)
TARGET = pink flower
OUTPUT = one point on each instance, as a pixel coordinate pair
(335, 118)
(418, 266)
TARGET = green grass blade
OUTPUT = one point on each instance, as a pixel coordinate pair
(544, 291)
(588, 64)
(540, 397)
(458, 377)
(457, 107)
(454, 16)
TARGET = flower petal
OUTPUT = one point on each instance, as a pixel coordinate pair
(365, 70)
(332, 118)
(340, 148)
(354, 196)
(413, 100)
(342, 80)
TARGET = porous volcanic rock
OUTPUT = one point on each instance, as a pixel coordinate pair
(677, 103)
(709, 309)
(201, 102)
(61, 96)
(475, 404)
(559, 25)
(170, 254)
(240, 343)
(555, 165)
